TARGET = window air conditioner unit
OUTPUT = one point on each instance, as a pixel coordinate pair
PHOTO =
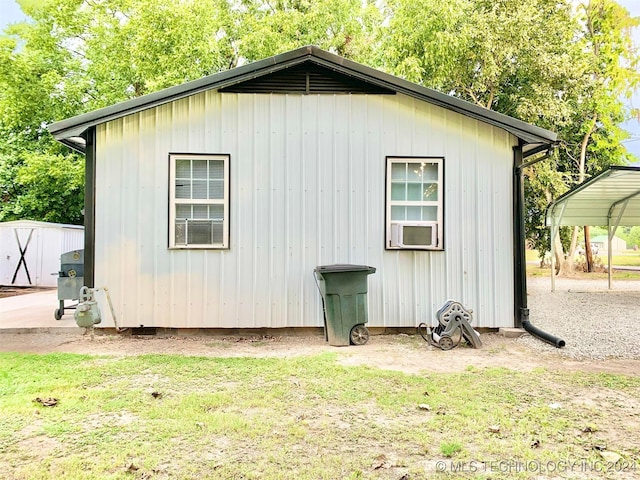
(414, 235)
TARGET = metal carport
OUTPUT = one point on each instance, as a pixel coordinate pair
(611, 198)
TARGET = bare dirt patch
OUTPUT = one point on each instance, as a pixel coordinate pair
(406, 353)
(13, 291)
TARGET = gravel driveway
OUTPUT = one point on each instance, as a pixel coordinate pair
(595, 322)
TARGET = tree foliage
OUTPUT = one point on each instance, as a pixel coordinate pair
(52, 189)
(345, 27)
(548, 62)
(511, 56)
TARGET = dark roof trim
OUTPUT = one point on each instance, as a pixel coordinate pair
(64, 130)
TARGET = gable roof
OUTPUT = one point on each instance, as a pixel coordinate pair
(327, 65)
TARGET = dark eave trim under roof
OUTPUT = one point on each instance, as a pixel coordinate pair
(76, 126)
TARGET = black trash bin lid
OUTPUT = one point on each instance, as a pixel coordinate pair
(344, 267)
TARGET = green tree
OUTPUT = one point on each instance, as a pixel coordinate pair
(543, 183)
(121, 49)
(345, 27)
(52, 189)
(31, 95)
(511, 56)
(610, 74)
(633, 237)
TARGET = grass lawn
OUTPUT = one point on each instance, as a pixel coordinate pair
(630, 258)
(536, 271)
(179, 417)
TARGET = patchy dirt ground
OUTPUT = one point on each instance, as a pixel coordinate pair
(600, 419)
(13, 291)
(406, 353)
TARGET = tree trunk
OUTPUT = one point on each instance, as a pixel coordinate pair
(581, 175)
(587, 249)
(572, 249)
(562, 267)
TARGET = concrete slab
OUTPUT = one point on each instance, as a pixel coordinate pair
(34, 311)
(511, 332)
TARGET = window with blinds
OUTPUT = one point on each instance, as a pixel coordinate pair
(414, 203)
(199, 201)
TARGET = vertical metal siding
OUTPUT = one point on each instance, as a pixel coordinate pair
(72, 239)
(307, 188)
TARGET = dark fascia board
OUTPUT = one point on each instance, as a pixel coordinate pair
(75, 126)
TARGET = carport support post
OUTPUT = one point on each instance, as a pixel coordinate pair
(610, 234)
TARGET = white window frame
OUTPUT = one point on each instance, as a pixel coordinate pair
(435, 226)
(173, 201)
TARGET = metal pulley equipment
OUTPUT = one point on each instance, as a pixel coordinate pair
(454, 325)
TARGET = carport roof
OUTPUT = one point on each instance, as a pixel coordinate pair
(610, 198)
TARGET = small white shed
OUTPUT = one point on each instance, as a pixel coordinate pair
(602, 241)
(30, 251)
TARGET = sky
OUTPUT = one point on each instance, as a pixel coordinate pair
(633, 126)
(10, 13)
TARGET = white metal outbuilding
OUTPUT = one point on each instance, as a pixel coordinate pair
(30, 251)
(209, 204)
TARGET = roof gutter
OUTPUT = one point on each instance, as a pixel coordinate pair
(520, 283)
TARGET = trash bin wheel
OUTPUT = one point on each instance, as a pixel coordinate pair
(57, 314)
(359, 335)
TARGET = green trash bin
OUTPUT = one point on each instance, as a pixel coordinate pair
(344, 298)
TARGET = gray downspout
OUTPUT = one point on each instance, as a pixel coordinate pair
(520, 263)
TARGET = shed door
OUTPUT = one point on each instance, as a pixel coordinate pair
(19, 257)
